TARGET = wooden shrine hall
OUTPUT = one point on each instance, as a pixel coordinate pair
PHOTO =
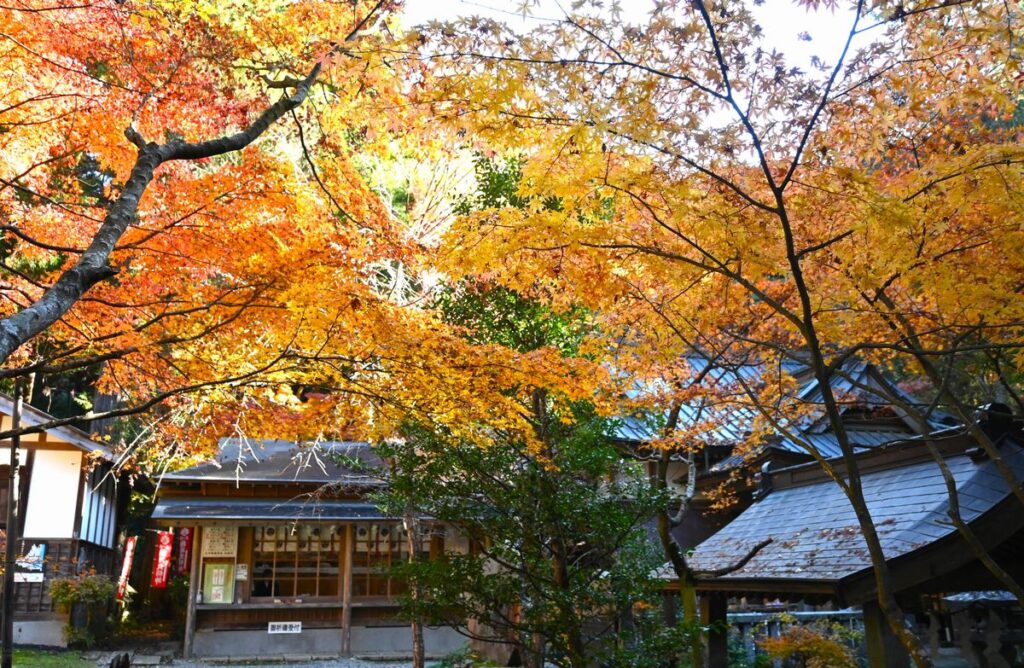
(817, 554)
(289, 554)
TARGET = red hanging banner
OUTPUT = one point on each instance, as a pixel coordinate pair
(126, 567)
(162, 559)
(184, 549)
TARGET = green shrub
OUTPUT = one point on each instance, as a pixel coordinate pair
(87, 598)
(652, 644)
(85, 589)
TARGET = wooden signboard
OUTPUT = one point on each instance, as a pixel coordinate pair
(220, 542)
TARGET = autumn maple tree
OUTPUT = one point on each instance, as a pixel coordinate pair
(194, 203)
(116, 116)
(718, 199)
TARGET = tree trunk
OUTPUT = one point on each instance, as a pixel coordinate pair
(887, 603)
(575, 653)
(411, 528)
(684, 575)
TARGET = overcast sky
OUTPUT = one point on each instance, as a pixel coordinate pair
(782, 20)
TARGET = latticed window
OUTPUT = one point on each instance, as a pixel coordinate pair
(297, 561)
(377, 548)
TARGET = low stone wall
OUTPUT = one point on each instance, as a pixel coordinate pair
(397, 640)
(45, 632)
(391, 641)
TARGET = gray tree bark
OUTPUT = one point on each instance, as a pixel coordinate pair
(93, 265)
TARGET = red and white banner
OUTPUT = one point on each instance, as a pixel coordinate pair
(126, 567)
(162, 559)
(184, 549)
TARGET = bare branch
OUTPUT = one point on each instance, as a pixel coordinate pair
(719, 572)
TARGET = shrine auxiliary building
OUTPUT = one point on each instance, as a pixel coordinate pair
(67, 518)
(289, 555)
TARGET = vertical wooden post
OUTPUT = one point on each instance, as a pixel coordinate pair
(11, 527)
(934, 627)
(346, 594)
(884, 649)
(716, 606)
(243, 555)
(194, 586)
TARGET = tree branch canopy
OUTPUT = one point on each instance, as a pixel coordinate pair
(93, 265)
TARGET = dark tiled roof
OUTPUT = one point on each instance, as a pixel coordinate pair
(816, 535)
(989, 597)
(861, 437)
(308, 509)
(725, 423)
(269, 461)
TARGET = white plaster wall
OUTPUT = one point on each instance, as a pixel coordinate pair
(53, 494)
(376, 641)
(396, 641)
(45, 632)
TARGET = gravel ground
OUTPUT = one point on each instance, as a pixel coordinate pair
(103, 660)
(330, 663)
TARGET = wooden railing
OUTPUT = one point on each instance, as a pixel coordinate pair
(747, 629)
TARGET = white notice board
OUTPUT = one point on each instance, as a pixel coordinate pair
(220, 542)
(284, 627)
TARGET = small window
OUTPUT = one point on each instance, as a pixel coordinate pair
(296, 561)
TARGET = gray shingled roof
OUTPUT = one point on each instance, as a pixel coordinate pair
(729, 423)
(309, 509)
(815, 533)
(269, 461)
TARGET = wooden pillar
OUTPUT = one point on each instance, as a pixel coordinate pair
(934, 629)
(884, 649)
(11, 545)
(670, 606)
(194, 587)
(243, 588)
(715, 608)
(346, 594)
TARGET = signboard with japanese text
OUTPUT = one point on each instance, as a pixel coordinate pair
(218, 583)
(29, 566)
(220, 542)
(284, 627)
(162, 559)
(184, 554)
(27, 577)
